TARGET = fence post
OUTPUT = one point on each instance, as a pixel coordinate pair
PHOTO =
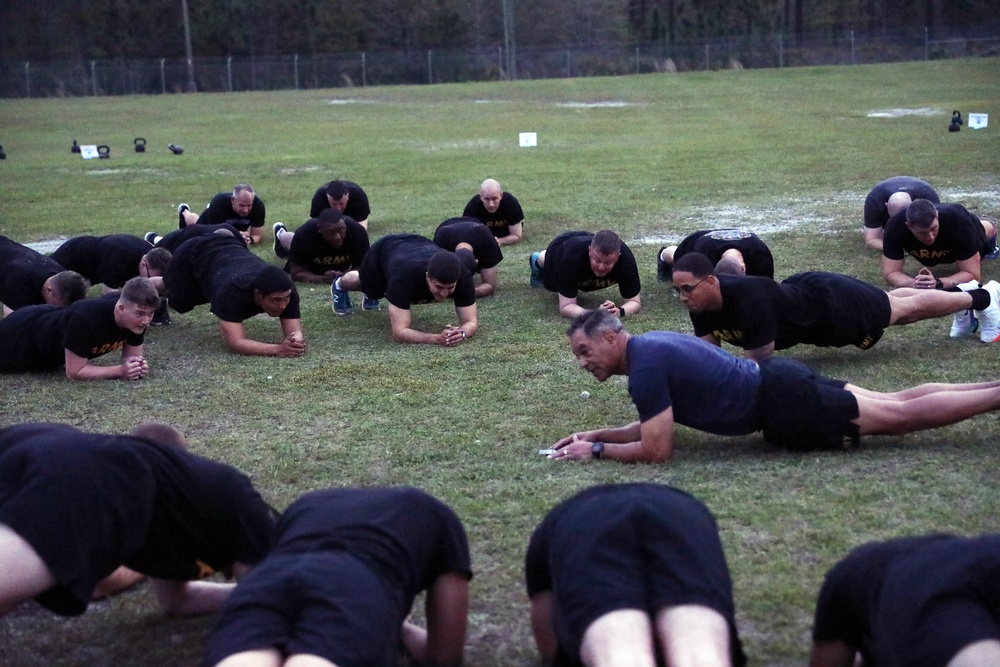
(852, 47)
(163, 77)
(229, 74)
(364, 70)
(636, 58)
(27, 76)
(500, 62)
(569, 64)
(927, 46)
(706, 57)
(430, 71)
(781, 51)
(93, 75)
(296, 61)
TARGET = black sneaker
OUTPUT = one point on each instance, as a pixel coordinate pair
(664, 271)
(181, 224)
(279, 249)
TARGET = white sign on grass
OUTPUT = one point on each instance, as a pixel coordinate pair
(528, 139)
(88, 152)
(978, 121)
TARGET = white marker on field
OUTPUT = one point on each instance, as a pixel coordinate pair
(528, 139)
(978, 121)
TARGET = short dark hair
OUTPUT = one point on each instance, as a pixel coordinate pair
(141, 292)
(444, 267)
(593, 322)
(271, 279)
(695, 263)
(921, 214)
(336, 189)
(331, 216)
(606, 242)
(158, 259)
(69, 286)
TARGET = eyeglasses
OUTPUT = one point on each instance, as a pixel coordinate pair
(687, 289)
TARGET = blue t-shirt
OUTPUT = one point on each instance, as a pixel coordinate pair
(708, 388)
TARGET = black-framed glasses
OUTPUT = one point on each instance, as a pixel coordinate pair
(687, 289)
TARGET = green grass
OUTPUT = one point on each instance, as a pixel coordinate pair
(790, 153)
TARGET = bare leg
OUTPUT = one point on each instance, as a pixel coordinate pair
(350, 281)
(977, 654)
(305, 660)
(879, 415)
(285, 239)
(921, 390)
(693, 635)
(189, 217)
(620, 638)
(541, 260)
(121, 579)
(925, 304)
(265, 657)
(23, 574)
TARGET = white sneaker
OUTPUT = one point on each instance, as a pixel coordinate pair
(969, 286)
(989, 317)
(964, 324)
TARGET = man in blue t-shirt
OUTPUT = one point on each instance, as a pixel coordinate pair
(679, 379)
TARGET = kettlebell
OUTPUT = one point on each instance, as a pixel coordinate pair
(75, 148)
(956, 121)
(176, 150)
(104, 152)
(140, 145)
(3, 156)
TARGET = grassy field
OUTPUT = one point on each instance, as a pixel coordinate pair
(787, 153)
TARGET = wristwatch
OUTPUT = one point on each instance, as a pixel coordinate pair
(597, 450)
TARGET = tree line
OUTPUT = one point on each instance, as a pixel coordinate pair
(52, 30)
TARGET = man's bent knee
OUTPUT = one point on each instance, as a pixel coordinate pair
(23, 573)
(693, 635)
(977, 654)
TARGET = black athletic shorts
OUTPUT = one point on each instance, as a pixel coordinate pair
(373, 274)
(322, 603)
(647, 560)
(184, 292)
(857, 312)
(82, 509)
(805, 412)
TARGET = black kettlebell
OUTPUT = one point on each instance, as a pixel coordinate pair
(176, 150)
(104, 152)
(956, 121)
(75, 148)
(140, 145)
(3, 156)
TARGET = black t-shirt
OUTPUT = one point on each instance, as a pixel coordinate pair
(752, 308)
(485, 248)
(406, 536)
(357, 202)
(714, 242)
(402, 260)
(224, 270)
(174, 239)
(109, 260)
(567, 268)
(220, 211)
(500, 221)
(311, 252)
(960, 236)
(23, 273)
(876, 212)
(35, 338)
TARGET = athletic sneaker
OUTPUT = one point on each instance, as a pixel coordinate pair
(181, 224)
(151, 238)
(371, 304)
(989, 317)
(664, 271)
(964, 324)
(279, 249)
(969, 286)
(162, 315)
(993, 254)
(341, 300)
(536, 272)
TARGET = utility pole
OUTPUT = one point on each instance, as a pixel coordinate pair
(192, 87)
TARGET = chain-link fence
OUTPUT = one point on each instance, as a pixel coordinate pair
(172, 75)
